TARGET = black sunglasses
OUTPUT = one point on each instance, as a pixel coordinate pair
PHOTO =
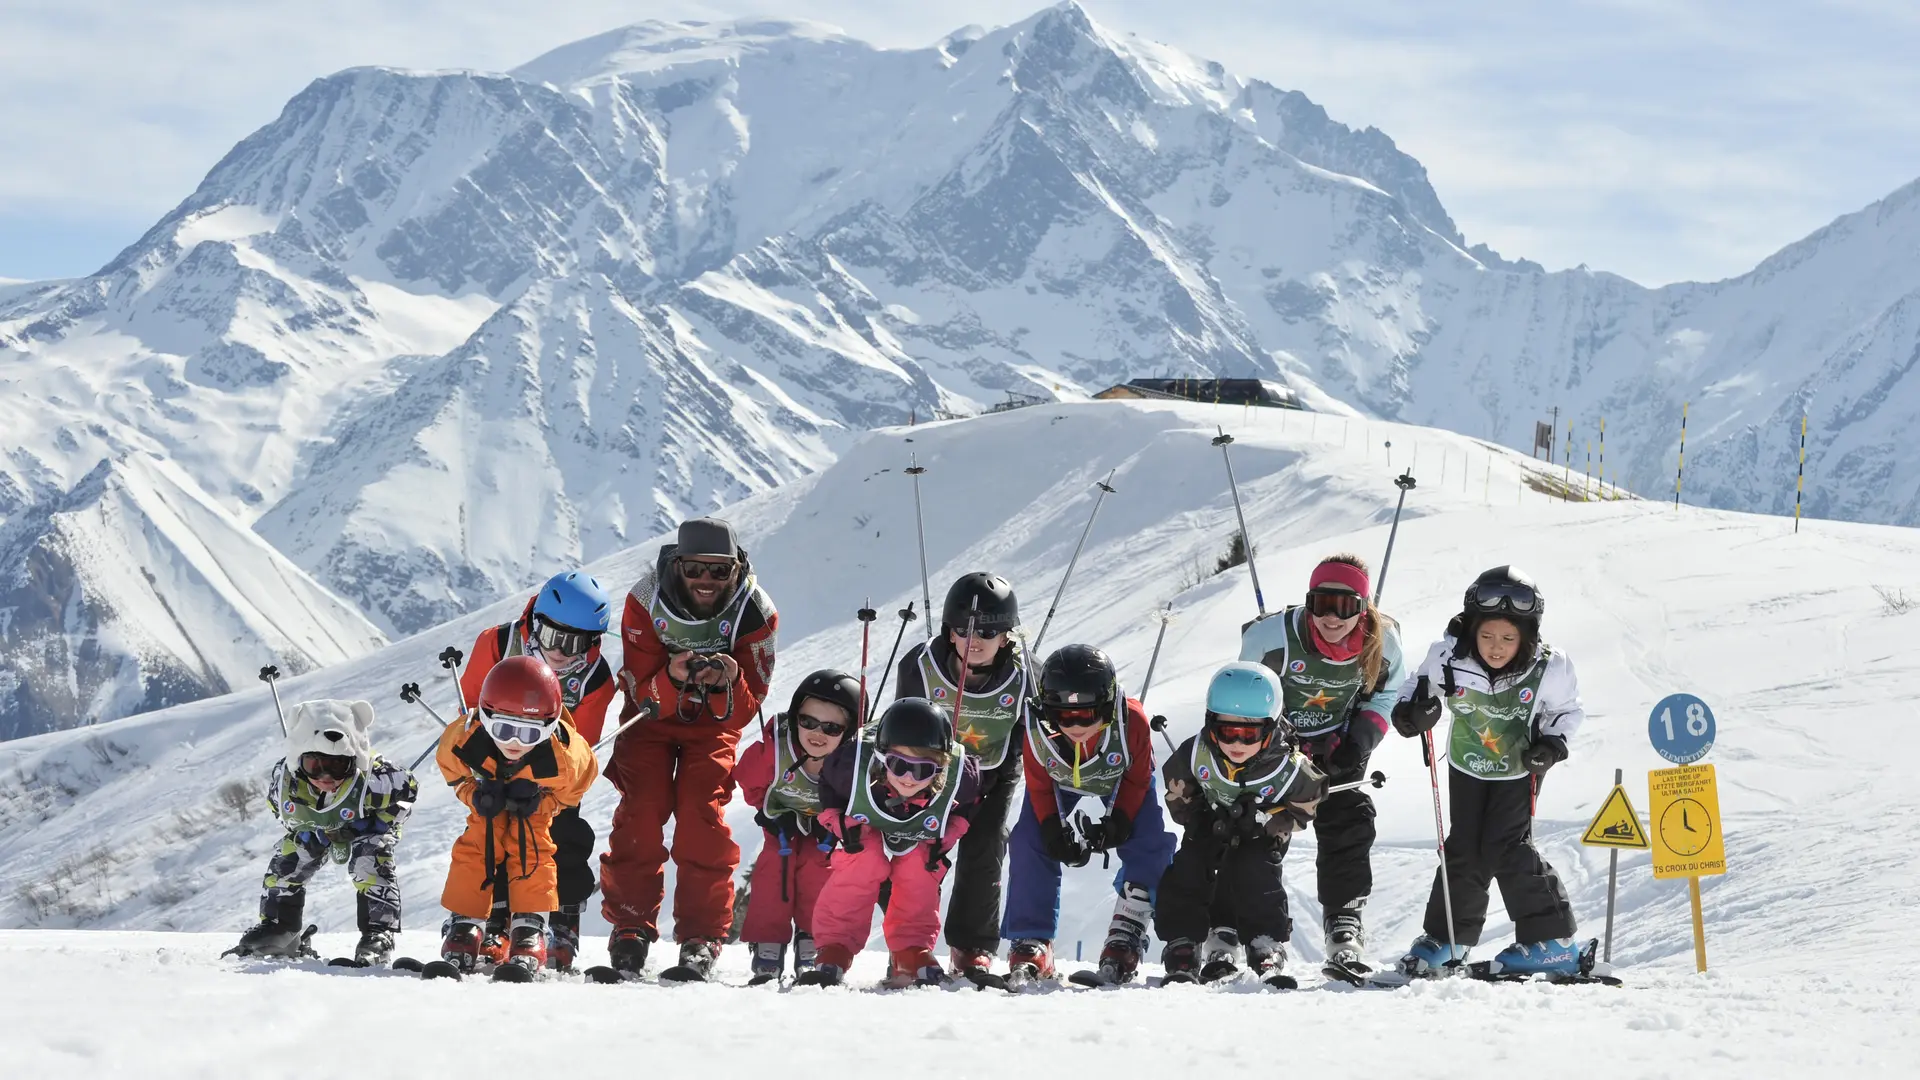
(824, 727)
(1336, 602)
(695, 571)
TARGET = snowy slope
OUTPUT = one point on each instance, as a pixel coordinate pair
(124, 825)
(139, 591)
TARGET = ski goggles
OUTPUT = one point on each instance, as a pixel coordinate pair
(1075, 716)
(326, 766)
(514, 729)
(1338, 603)
(1502, 598)
(1247, 734)
(829, 728)
(563, 639)
(908, 766)
(694, 570)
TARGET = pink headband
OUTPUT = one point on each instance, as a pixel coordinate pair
(1339, 573)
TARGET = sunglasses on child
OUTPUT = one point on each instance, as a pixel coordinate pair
(696, 571)
(514, 729)
(824, 727)
(1075, 717)
(1248, 734)
(904, 765)
(982, 633)
(564, 640)
(1336, 602)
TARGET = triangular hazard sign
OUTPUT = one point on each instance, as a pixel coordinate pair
(1616, 825)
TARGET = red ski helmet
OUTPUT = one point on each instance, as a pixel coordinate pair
(521, 687)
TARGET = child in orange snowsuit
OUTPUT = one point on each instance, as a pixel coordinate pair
(516, 761)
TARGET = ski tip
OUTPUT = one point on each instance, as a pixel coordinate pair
(347, 962)
(440, 969)
(608, 976)
(512, 973)
(681, 975)
(406, 963)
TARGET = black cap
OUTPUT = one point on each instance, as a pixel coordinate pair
(709, 537)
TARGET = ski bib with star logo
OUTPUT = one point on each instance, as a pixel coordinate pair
(714, 634)
(792, 790)
(1492, 730)
(1222, 792)
(987, 717)
(1317, 691)
(900, 835)
(1099, 772)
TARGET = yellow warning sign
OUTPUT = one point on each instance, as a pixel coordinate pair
(1616, 825)
(1687, 838)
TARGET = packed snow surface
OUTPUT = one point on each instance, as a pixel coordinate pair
(121, 828)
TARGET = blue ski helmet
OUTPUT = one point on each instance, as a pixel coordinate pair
(573, 600)
(1244, 688)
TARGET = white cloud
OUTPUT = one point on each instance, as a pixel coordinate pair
(1662, 139)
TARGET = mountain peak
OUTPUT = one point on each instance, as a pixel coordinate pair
(645, 48)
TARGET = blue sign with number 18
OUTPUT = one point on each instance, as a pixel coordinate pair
(1681, 729)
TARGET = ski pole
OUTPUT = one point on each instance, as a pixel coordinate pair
(1106, 489)
(1405, 482)
(450, 659)
(1159, 724)
(906, 616)
(914, 469)
(1166, 616)
(1224, 440)
(646, 711)
(1378, 779)
(966, 651)
(269, 675)
(410, 692)
(867, 615)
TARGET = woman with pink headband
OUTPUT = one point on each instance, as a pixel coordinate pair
(1339, 663)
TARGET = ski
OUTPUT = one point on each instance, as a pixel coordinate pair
(682, 973)
(406, 963)
(1351, 973)
(608, 976)
(1024, 977)
(348, 962)
(513, 973)
(1091, 978)
(1277, 981)
(985, 980)
(1175, 978)
(440, 969)
(303, 949)
(819, 977)
(763, 979)
(1482, 972)
(1219, 971)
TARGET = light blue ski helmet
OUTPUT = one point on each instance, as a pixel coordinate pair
(1244, 688)
(575, 600)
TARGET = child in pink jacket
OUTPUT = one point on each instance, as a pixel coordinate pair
(898, 801)
(780, 777)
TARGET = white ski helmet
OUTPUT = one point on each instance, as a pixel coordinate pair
(341, 728)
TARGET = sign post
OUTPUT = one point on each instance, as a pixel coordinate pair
(1688, 840)
(1615, 826)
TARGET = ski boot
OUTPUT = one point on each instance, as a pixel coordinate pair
(1120, 957)
(1555, 957)
(1266, 958)
(697, 957)
(1029, 960)
(1181, 961)
(914, 967)
(805, 956)
(563, 938)
(275, 939)
(527, 949)
(497, 943)
(1346, 938)
(972, 964)
(627, 949)
(1220, 956)
(376, 947)
(769, 960)
(460, 945)
(829, 969)
(1427, 958)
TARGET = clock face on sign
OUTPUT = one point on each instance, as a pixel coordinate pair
(1686, 828)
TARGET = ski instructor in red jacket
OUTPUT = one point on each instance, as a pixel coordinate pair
(699, 641)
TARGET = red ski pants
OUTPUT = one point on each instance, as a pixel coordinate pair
(775, 910)
(683, 771)
(843, 916)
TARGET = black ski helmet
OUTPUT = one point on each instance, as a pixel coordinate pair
(1505, 591)
(912, 721)
(1076, 677)
(834, 687)
(998, 610)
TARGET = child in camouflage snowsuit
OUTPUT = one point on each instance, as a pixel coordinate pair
(337, 799)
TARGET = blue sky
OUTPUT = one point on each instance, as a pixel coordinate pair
(1661, 139)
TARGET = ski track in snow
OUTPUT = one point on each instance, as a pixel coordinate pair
(1782, 634)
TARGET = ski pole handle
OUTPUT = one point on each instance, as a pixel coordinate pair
(450, 659)
(1159, 724)
(270, 675)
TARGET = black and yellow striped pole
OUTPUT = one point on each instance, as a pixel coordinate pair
(1566, 472)
(1800, 484)
(1680, 470)
(1603, 460)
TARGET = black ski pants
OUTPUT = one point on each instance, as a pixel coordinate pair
(980, 860)
(1344, 828)
(1216, 882)
(1490, 838)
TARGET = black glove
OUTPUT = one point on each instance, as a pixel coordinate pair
(1061, 845)
(1418, 713)
(1544, 753)
(489, 797)
(850, 837)
(778, 824)
(523, 797)
(1346, 757)
(1115, 830)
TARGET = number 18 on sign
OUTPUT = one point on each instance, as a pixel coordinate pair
(1681, 729)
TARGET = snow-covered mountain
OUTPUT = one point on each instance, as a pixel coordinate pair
(437, 334)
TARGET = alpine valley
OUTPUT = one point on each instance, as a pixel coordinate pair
(428, 337)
